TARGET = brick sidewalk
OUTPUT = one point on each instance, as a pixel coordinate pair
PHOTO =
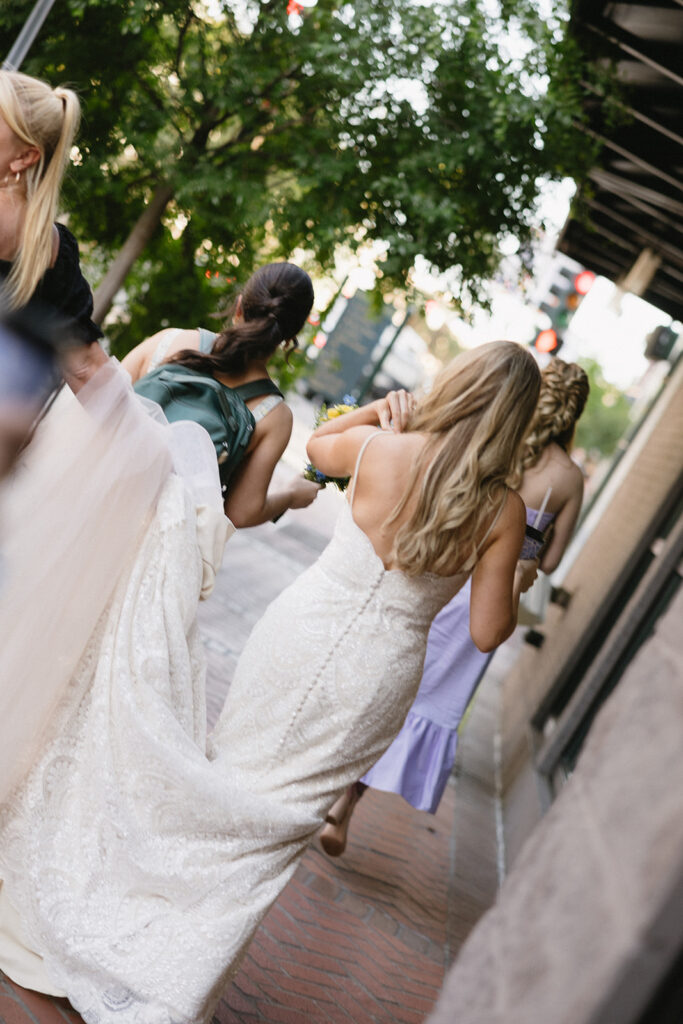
(359, 939)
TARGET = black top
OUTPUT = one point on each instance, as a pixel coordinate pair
(64, 291)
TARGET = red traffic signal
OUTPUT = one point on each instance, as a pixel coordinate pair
(583, 282)
(547, 341)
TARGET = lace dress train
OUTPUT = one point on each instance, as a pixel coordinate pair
(142, 856)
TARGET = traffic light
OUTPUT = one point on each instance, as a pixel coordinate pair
(547, 341)
(659, 343)
(564, 298)
(583, 282)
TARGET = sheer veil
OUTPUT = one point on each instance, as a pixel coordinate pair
(71, 518)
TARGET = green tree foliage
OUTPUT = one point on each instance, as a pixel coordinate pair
(410, 124)
(606, 417)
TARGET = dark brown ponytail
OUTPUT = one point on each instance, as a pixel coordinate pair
(275, 303)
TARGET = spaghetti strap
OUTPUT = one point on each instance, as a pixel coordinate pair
(364, 445)
(539, 518)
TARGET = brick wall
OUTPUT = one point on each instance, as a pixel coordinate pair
(588, 922)
(644, 480)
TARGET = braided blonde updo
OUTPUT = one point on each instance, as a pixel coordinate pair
(564, 391)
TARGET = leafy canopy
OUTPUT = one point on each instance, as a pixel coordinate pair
(424, 127)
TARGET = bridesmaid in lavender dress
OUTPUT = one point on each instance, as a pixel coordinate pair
(419, 762)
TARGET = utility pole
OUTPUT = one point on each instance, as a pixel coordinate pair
(24, 40)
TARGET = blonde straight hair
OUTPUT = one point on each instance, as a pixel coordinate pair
(48, 119)
(475, 416)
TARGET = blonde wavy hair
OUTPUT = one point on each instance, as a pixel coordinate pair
(564, 392)
(475, 416)
(48, 119)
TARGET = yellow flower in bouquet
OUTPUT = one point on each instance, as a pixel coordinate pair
(334, 411)
(330, 412)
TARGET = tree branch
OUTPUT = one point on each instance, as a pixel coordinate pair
(182, 31)
(159, 104)
(253, 130)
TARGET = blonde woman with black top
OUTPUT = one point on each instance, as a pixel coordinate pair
(39, 260)
(41, 284)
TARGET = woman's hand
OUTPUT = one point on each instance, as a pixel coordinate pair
(302, 493)
(333, 446)
(80, 363)
(526, 572)
(394, 410)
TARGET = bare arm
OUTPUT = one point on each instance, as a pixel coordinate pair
(248, 502)
(498, 579)
(336, 454)
(333, 446)
(390, 413)
(137, 360)
(563, 524)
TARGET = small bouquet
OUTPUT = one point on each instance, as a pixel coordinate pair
(330, 412)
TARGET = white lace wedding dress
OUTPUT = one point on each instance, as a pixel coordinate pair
(141, 861)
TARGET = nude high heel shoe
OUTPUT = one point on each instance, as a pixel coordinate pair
(334, 834)
(337, 811)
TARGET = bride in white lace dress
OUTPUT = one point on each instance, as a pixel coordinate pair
(142, 860)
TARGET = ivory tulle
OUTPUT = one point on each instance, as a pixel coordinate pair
(112, 530)
(74, 510)
(70, 518)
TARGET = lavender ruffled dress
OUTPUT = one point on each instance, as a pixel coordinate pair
(419, 761)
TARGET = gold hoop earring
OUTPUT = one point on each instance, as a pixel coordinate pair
(17, 176)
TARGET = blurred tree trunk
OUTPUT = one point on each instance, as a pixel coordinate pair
(142, 231)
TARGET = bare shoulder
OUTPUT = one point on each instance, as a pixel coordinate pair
(279, 418)
(275, 429)
(138, 360)
(559, 458)
(575, 473)
(399, 447)
(178, 338)
(393, 454)
(557, 471)
(566, 476)
(513, 514)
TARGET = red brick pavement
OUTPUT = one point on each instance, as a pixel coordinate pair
(357, 940)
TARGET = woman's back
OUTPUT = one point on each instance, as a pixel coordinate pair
(330, 670)
(545, 458)
(376, 490)
(163, 346)
(378, 484)
(554, 471)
